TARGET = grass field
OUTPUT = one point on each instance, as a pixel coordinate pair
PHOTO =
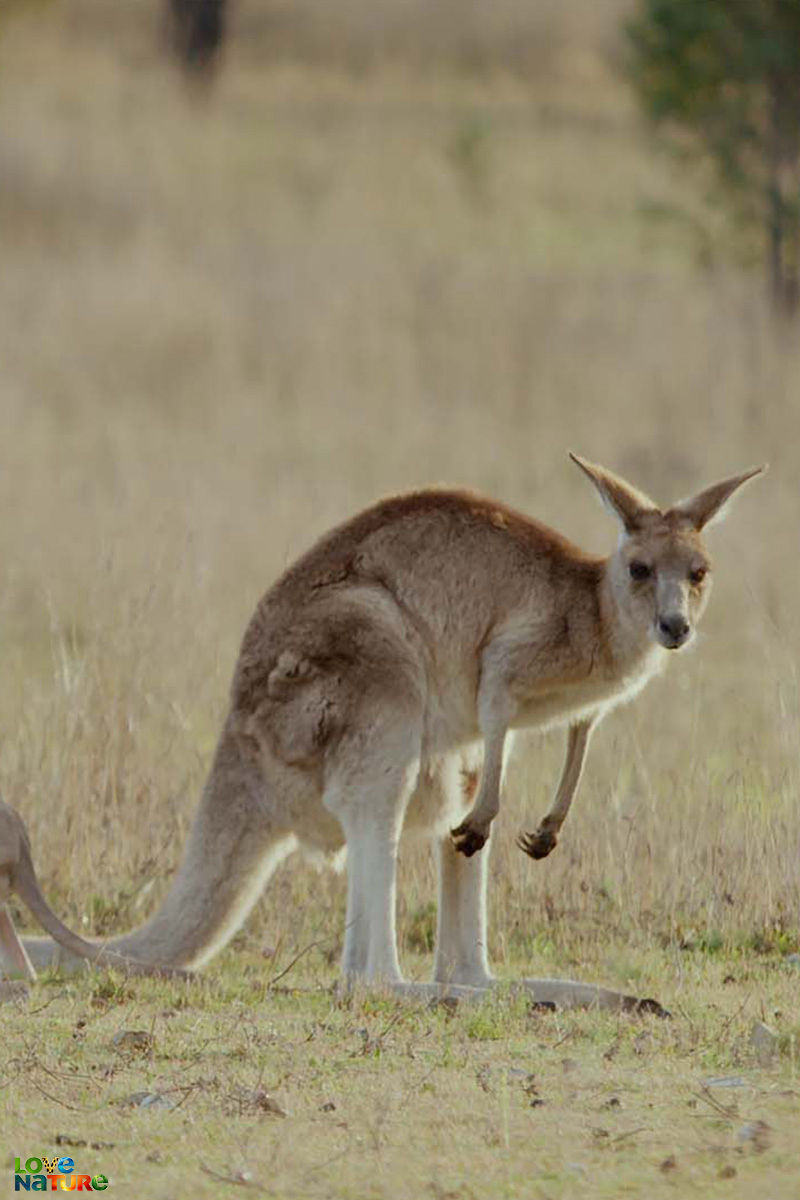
(373, 257)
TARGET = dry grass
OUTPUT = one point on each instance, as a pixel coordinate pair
(384, 1099)
(227, 322)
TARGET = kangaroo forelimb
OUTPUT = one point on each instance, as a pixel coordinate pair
(544, 839)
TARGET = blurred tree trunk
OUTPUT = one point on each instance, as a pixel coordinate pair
(196, 31)
(783, 278)
(783, 190)
(723, 79)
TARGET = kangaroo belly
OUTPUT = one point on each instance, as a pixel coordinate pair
(445, 791)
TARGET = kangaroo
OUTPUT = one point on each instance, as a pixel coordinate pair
(17, 874)
(384, 673)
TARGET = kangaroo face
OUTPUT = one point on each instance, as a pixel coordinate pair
(664, 575)
(660, 574)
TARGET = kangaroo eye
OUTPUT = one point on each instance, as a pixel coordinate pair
(640, 571)
(698, 575)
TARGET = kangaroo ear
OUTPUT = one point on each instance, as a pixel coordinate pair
(709, 505)
(624, 502)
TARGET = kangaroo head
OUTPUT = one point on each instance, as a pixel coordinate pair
(660, 573)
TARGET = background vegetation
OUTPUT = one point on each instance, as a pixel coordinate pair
(726, 80)
(391, 246)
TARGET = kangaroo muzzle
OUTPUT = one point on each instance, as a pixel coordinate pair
(673, 630)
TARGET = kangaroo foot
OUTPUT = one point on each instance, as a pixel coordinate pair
(636, 1004)
(567, 993)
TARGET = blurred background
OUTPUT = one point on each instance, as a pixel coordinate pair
(262, 262)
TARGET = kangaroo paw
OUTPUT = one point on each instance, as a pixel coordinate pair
(469, 839)
(538, 844)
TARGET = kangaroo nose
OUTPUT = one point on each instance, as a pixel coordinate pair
(674, 628)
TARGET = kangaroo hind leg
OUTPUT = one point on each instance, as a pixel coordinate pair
(460, 955)
(461, 951)
(368, 790)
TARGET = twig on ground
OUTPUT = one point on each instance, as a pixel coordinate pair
(728, 1111)
(727, 1024)
(72, 1107)
(295, 961)
(628, 1134)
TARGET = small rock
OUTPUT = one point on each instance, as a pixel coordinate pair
(764, 1042)
(756, 1135)
(132, 1041)
(792, 960)
(257, 1101)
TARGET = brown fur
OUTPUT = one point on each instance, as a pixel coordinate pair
(17, 875)
(376, 688)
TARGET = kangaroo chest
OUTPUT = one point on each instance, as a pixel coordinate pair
(564, 704)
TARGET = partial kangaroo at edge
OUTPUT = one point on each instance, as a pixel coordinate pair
(17, 874)
(379, 673)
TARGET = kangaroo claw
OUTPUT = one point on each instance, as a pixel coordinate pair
(538, 844)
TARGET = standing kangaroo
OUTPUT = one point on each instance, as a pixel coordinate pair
(379, 673)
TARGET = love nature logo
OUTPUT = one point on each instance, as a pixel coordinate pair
(42, 1174)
